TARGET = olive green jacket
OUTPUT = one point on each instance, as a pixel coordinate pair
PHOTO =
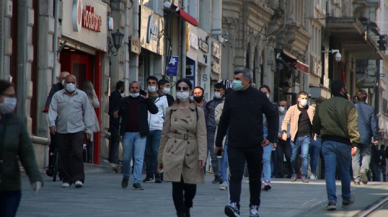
(337, 118)
(16, 145)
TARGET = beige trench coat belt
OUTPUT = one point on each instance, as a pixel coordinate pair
(184, 136)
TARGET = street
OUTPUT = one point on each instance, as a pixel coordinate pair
(102, 195)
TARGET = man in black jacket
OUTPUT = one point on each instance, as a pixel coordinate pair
(164, 89)
(114, 123)
(134, 130)
(243, 115)
(55, 88)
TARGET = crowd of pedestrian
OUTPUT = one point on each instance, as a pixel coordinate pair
(240, 130)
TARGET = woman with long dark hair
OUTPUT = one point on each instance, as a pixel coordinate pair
(182, 150)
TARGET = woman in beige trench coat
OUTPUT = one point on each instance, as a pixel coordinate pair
(182, 149)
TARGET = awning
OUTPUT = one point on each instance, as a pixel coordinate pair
(353, 37)
(187, 17)
(302, 67)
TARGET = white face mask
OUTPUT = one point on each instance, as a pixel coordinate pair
(70, 87)
(267, 95)
(182, 96)
(303, 102)
(281, 109)
(151, 89)
(8, 105)
(134, 95)
(217, 95)
(166, 90)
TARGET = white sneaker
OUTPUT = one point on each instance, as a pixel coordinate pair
(79, 184)
(65, 185)
(313, 177)
(224, 186)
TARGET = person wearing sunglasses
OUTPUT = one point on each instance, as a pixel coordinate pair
(15, 146)
(182, 150)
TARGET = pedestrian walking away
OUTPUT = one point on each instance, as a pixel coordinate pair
(211, 125)
(114, 123)
(134, 129)
(267, 150)
(243, 116)
(70, 117)
(155, 122)
(367, 128)
(182, 151)
(56, 87)
(283, 149)
(336, 121)
(300, 119)
(15, 147)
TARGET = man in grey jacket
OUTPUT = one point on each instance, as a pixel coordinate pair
(367, 128)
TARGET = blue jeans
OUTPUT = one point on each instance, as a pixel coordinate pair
(151, 152)
(9, 203)
(213, 157)
(224, 164)
(267, 150)
(133, 146)
(315, 151)
(333, 153)
(301, 144)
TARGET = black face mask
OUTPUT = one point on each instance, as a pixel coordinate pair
(198, 99)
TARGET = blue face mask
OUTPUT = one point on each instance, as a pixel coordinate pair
(237, 85)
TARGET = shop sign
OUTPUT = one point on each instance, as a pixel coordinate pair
(172, 66)
(152, 30)
(216, 68)
(90, 20)
(193, 41)
(77, 15)
(216, 50)
(135, 45)
(202, 44)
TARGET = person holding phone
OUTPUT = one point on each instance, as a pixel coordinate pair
(182, 149)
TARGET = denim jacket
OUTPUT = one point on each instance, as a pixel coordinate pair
(367, 125)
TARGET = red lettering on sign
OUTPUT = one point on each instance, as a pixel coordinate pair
(90, 20)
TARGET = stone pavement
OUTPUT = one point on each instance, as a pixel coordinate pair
(103, 196)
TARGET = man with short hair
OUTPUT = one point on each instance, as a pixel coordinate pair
(336, 121)
(156, 125)
(300, 118)
(199, 97)
(211, 126)
(164, 89)
(134, 129)
(70, 117)
(55, 88)
(367, 128)
(243, 116)
(283, 148)
(114, 123)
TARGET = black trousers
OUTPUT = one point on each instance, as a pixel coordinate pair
(183, 195)
(70, 148)
(114, 144)
(254, 158)
(284, 147)
(51, 150)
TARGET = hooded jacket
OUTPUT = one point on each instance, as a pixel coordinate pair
(155, 121)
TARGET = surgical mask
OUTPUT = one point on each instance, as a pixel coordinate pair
(182, 96)
(70, 87)
(281, 109)
(267, 95)
(8, 105)
(166, 90)
(151, 89)
(303, 102)
(198, 99)
(134, 95)
(237, 85)
(217, 95)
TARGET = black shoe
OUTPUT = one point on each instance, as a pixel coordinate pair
(137, 186)
(331, 206)
(158, 179)
(49, 172)
(347, 203)
(124, 183)
(232, 210)
(217, 180)
(148, 179)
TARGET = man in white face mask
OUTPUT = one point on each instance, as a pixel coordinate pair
(300, 118)
(164, 89)
(70, 116)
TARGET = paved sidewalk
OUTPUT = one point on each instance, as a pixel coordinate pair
(103, 196)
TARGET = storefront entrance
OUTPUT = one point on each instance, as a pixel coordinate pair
(85, 67)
